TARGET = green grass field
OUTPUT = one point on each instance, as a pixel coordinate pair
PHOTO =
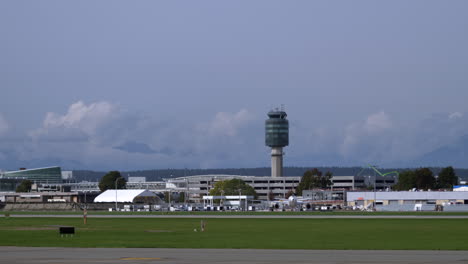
(416, 234)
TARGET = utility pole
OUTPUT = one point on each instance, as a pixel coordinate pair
(374, 192)
(116, 194)
(373, 202)
(239, 199)
(186, 192)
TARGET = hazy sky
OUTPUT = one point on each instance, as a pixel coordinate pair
(153, 84)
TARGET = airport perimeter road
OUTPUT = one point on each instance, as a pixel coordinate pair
(252, 216)
(198, 256)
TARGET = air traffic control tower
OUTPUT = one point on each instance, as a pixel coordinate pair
(277, 137)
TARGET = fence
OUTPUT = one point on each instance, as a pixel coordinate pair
(405, 207)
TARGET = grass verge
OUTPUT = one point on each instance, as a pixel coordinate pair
(385, 234)
(357, 213)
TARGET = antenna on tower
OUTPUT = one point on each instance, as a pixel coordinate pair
(282, 107)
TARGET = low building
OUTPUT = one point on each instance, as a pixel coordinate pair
(67, 175)
(363, 182)
(239, 201)
(9, 184)
(84, 186)
(400, 198)
(136, 184)
(318, 196)
(40, 197)
(136, 179)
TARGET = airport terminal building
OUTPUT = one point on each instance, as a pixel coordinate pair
(48, 175)
(200, 185)
(45, 179)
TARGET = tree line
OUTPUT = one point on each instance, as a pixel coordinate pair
(160, 174)
(424, 179)
(421, 179)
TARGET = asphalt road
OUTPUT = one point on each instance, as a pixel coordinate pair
(254, 216)
(198, 256)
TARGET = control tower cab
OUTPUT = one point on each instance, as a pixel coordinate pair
(277, 137)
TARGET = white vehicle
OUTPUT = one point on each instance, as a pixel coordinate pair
(174, 209)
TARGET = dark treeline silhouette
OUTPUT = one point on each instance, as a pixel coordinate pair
(159, 174)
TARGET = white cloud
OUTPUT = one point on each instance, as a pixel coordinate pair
(83, 117)
(228, 124)
(92, 134)
(228, 139)
(455, 115)
(380, 139)
(370, 139)
(100, 122)
(378, 122)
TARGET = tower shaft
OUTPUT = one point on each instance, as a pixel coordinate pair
(277, 162)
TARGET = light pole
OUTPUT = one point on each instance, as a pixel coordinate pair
(373, 206)
(86, 202)
(375, 180)
(222, 199)
(240, 199)
(373, 202)
(186, 196)
(116, 194)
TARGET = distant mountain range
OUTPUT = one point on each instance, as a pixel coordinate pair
(455, 154)
(136, 147)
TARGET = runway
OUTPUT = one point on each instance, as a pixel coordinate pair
(198, 256)
(251, 216)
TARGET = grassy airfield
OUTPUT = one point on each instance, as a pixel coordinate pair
(405, 234)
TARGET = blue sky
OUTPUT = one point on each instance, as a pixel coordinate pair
(152, 84)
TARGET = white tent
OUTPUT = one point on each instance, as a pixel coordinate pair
(123, 196)
(460, 188)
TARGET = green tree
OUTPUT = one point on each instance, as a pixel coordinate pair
(24, 186)
(447, 178)
(271, 196)
(167, 197)
(108, 181)
(305, 183)
(181, 197)
(232, 187)
(314, 179)
(289, 193)
(406, 181)
(425, 179)
(325, 181)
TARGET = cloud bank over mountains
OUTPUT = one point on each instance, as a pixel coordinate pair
(104, 135)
